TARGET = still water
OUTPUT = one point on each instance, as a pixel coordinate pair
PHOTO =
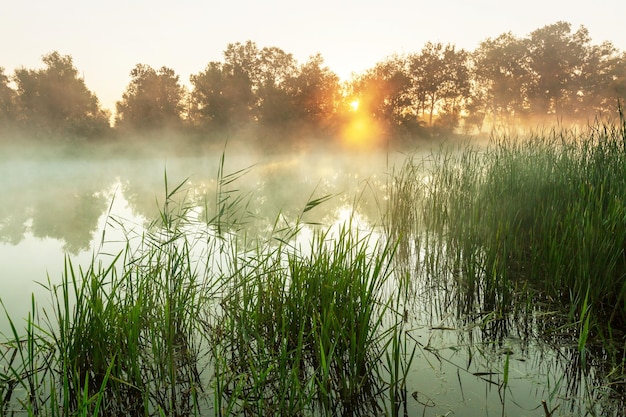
(54, 207)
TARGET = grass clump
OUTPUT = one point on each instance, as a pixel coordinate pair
(192, 319)
(119, 338)
(306, 331)
(527, 220)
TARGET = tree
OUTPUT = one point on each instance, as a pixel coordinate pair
(7, 101)
(266, 67)
(153, 100)
(502, 77)
(315, 93)
(557, 61)
(617, 86)
(553, 72)
(384, 92)
(595, 90)
(271, 71)
(250, 85)
(222, 97)
(55, 101)
(440, 76)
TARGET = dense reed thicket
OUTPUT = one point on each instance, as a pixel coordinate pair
(194, 319)
(526, 220)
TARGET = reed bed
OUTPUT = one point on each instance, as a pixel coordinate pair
(203, 313)
(305, 333)
(119, 337)
(522, 225)
(194, 319)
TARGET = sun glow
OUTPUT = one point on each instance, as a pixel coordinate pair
(361, 132)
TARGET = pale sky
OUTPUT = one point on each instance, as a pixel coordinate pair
(108, 38)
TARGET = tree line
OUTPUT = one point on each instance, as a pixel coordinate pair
(552, 74)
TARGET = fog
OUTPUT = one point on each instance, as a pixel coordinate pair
(66, 199)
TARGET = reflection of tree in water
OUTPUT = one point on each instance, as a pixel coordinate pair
(273, 185)
(141, 196)
(13, 227)
(62, 198)
(69, 216)
(287, 186)
(52, 198)
(14, 215)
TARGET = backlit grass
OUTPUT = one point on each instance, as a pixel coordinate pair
(192, 318)
(526, 223)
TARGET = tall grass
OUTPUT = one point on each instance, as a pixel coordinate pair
(192, 318)
(524, 222)
(120, 338)
(305, 329)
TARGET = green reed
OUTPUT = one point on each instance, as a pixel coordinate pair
(118, 339)
(538, 218)
(193, 318)
(305, 328)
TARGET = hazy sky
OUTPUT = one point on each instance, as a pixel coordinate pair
(107, 38)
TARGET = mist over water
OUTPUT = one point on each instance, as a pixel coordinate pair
(58, 201)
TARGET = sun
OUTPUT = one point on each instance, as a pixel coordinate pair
(354, 105)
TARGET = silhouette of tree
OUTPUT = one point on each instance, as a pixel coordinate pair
(552, 72)
(153, 100)
(315, 93)
(595, 90)
(55, 101)
(7, 102)
(557, 61)
(440, 75)
(385, 93)
(617, 86)
(502, 77)
(272, 69)
(251, 85)
(222, 97)
(265, 86)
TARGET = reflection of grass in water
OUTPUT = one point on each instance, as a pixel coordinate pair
(120, 339)
(525, 223)
(184, 313)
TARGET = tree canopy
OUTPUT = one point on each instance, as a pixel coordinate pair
(152, 101)
(55, 100)
(553, 74)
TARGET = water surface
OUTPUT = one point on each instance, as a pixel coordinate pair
(57, 207)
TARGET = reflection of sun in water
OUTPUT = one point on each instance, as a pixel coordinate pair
(354, 105)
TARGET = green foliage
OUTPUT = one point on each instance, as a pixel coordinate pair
(441, 74)
(524, 217)
(192, 319)
(54, 101)
(152, 101)
(307, 333)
